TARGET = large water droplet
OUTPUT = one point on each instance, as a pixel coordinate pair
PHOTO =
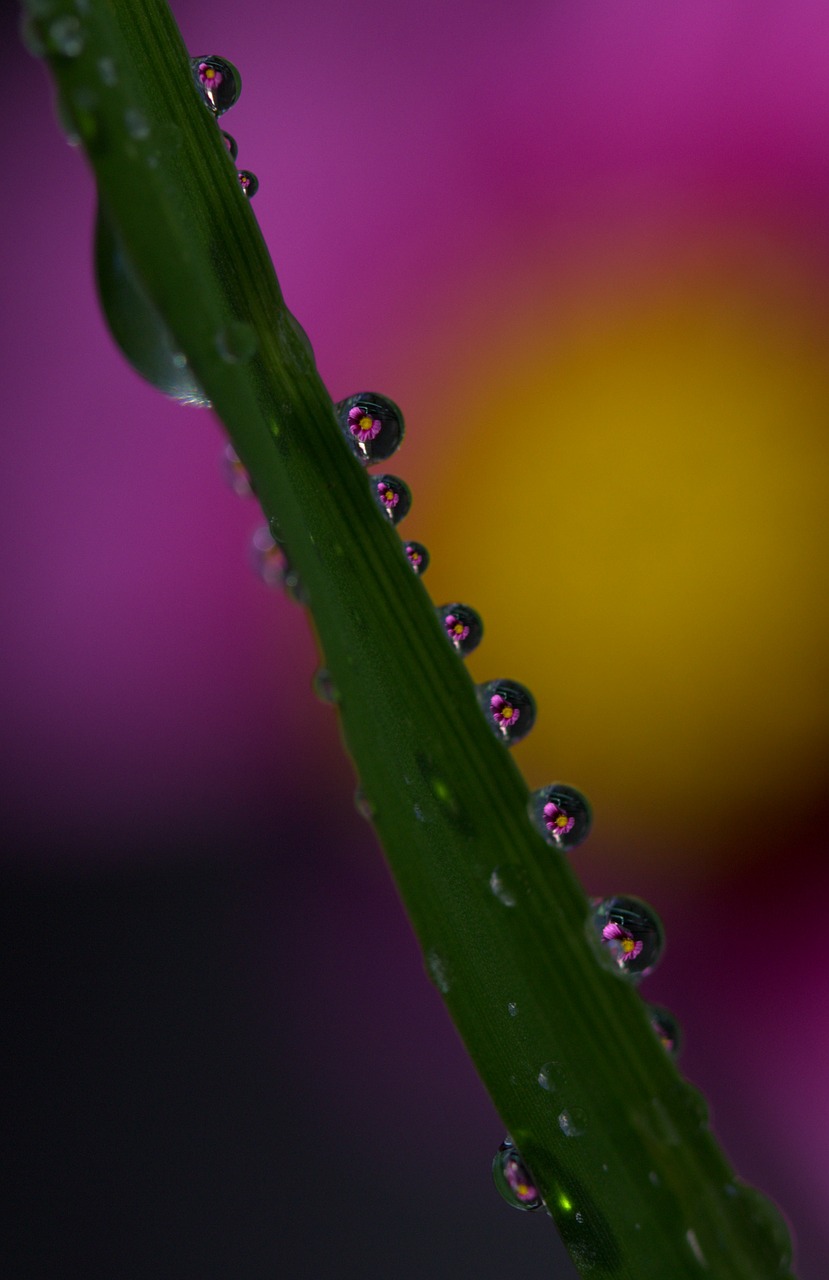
(248, 182)
(462, 625)
(418, 557)
(509, 709)
(237, 342)
(324, 686)
(392, 495)
(66, 36)
(514, 1180)
(630, 933)
(372, 424)
(561, 814)
(573, 1122)
(231, 144)
(233, 470)
(509, 884)
(666, 1028)
(218, 82)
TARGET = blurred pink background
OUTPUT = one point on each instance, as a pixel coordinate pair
(584, 247)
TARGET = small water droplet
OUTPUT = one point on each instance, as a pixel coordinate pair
(136, 124)
(270, 560)
(231, 144)
(509, 883)
(561, 814)
(462, 625)
(419, 814)
(666, 1028)
(108, 72)
(233, 470)
(363, 805)
(573, 1122)
(438, 972)
(514, 1180)
(218, 82)
(392, 495)
(418, 557)
(509, 709)
(579, 1218)
(695, 1103)
(324, 686)
(695, 1247)
(767, 1223)
(654, 1178)
(629, 933)
(552, 1076)
(66, 36)
(237, 342)
(372, 424)
(512, 1009)
(248, 182)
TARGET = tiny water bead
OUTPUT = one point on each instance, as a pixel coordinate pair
(136, 124)
(363, 805)
(509, 708)
(561, 814)
(218, 82)
(573, 1122)
(392, 496)
(324, 686)
(509, 884)
(231, 144)
(514, 1180)
(271, 563)
(418, 557)
(248, 182)
(438, 971)
(372, 424)
(552, 1076)
(233, 470)
(666, 1028)
(512, 1009)
(630, 932)
(462, 625)
(65, 36)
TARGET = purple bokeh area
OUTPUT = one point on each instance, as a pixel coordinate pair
(228, 1058)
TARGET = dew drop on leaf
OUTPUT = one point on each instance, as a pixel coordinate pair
(236, 343)
(630, 934)
(231, 144)
(573, 1122)
(392, 495)
(66, 36)
(248, 182)
(509, 709)
(218, 82)
(324, 686)
(666, 1028)
(417, 556)
(372, 424)
(108, 72)
(514, 1180)
(462, 625)
(561, 814)
(233, 470)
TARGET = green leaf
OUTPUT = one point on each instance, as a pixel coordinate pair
(616, 1141)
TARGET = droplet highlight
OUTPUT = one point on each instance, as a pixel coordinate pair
(363, 805)
(514, 1180)
(248, 182)
(372, 424)
(552, 1077)
(561, 814)
(509, 708)
(630, 933)
(218, 82)
(438, 972)
(417, 556)
(392, 495)
(666, 1028)
(462, 625)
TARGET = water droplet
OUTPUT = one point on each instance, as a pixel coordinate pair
(695, 1103)
(218, 82)
(233, 470)
(136, 124)
(509, 884)
(438, 972)
(372, 424)
(654, 1178)
(248, 182)
(512, 1009)
(514, 1180)
(237, 343)
(630, 934)
(418, 813)
(363, 805)
(561, 814)
(324, 686)
(667, 1028)
(573, 1122)
(231, 144)
(417, 556)
(307, 351)
(270, 560)
(509, 709)
(552, 1076)
(392, 495)
(695, 1247)
(108, 72)
(66, 36)
(462, 625)
(767, 1223)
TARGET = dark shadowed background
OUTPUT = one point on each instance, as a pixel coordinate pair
(585, 248)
